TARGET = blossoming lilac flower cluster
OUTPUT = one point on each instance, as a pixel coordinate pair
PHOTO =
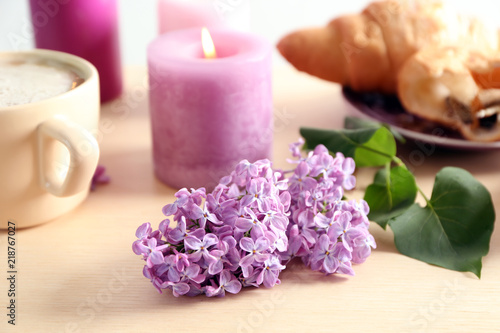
(253, 223)
(328, 233)
(224, 240)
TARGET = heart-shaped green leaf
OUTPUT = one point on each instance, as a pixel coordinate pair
(454, 229)
(368, 146)
(391, 193)
(379, 150)
(356, 123)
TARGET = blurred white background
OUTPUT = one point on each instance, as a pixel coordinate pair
(269, 18)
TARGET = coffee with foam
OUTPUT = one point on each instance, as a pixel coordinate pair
(32, 80)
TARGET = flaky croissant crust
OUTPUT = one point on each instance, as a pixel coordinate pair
(366, 51)
(444, 67)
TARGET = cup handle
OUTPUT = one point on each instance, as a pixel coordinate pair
(83, 156)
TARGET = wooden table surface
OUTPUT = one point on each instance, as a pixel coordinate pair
(79, 274)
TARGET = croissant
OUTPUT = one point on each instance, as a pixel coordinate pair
(366, 51)
(456, 87)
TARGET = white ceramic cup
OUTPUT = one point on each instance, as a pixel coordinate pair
(48, 154)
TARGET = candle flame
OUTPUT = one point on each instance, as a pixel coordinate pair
(208, 44)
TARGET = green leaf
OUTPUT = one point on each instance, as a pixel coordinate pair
(454, 229)
(379, 150)
(368, 146)
(344, 141)
(392, 192)
(357, 123)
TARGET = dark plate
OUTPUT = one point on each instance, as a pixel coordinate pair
(388, 109)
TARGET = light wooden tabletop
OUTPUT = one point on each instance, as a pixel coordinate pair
(79, 274)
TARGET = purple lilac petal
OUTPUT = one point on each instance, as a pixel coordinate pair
(140, 248)
(225, 277)
(180, 289)
(164, 226)
(195, 256)
(144, 230)
(349, 183)
(209, 240)
(192, 243)
(330, 264)
(181, 260)
(216, 267)
(233, 287)
(247, 244)
(155, 258)
(261, 244)
(247, 260)
(214, 292)
(177, 234)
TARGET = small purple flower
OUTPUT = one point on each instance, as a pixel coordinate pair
(295, 244)
(144, 231)
(181, 260)
(203, 215)
(344, 257)
(201, 247)
(197, 195)
(276, 221)
(323, 165)
(300, 181)
(348, 167)
(178, 289)
(277, 240)
(230, 213)
(247, 168)
(178, 234)
(359, 212)
(251, 280)
(270, 272)
(216, 266)
(305, 222)
(255, 250)
(192, 273)
(257, 192)
(341, 228)
(227, 282)
(249, 221)
(100, 177)
(217, 203)
(320, 150)
(295, 147)
(323, 256)
(155, 257)
(168, 266)
(146, 247)
(323, 222)
(164, 227)
(182, 198)
(362, 248)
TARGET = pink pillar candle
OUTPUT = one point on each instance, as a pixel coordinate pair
(208, 114)
(86, 28)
